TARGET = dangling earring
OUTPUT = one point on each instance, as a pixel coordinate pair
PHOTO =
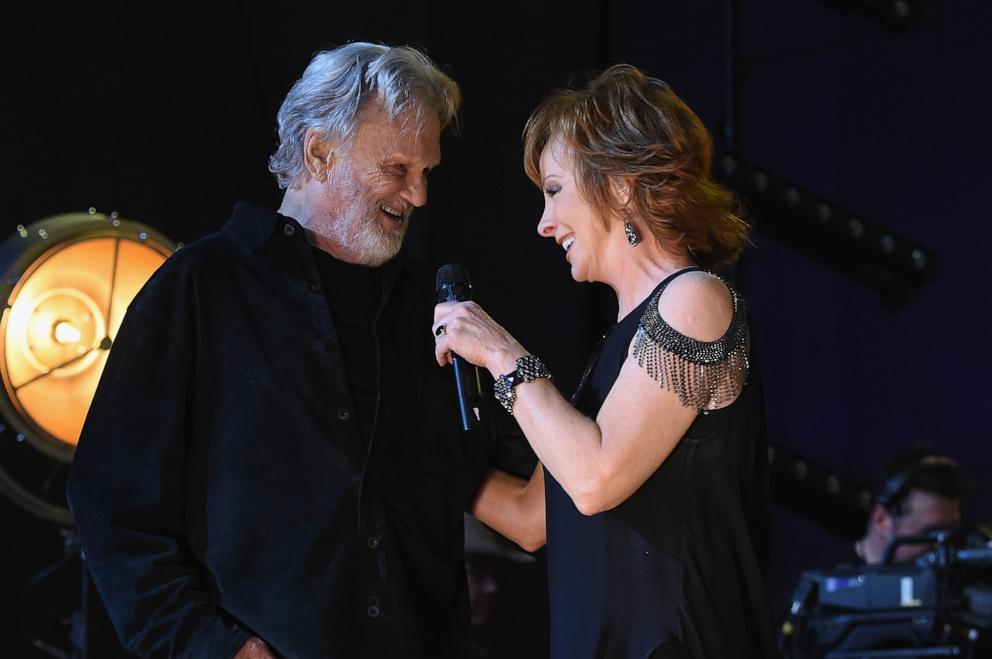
(629, 230)
(689, 249)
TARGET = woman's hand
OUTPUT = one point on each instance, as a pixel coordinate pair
(474, 336)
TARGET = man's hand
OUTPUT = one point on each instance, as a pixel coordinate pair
(254, 648)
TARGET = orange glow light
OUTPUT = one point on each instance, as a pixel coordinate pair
(61, 319)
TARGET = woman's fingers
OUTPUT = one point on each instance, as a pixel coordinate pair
(462, 328)
(442, 354)
(465, 329)
(445, 308)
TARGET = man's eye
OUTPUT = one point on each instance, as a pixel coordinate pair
(396, 170)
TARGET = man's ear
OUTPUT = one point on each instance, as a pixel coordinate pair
(881, 520)
(318, 154)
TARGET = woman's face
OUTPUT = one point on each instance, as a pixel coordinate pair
(568, 218)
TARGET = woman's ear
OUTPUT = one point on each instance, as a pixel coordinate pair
(621, 189)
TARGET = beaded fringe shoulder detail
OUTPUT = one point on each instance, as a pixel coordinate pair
(703, 374)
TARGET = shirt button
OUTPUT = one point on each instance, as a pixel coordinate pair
(288, 229)
(373, 542)
(314, 287)
(373, 611)
(344, 413)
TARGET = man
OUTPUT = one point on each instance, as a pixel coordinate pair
(272, 464)
(920, 491)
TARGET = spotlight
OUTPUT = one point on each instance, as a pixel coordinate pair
(855, 228)
(887, 244)
(792, 197)
(66, 282)
(831, 500)
(845, 241)
(892, 15)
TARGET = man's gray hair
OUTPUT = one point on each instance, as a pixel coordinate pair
(336, 85)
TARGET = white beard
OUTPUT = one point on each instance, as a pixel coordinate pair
(364, 237)
(356, 227)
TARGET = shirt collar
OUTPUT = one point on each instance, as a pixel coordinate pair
(252, 225)
(258, 228)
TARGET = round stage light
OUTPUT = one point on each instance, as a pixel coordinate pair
(66, 283)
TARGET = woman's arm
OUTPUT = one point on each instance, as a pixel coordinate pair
(599, 462)
(514, 507)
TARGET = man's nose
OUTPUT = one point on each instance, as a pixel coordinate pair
(415, 192)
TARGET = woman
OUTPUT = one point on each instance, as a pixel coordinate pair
(655, 502)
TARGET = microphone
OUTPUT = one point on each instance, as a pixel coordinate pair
(453, 285)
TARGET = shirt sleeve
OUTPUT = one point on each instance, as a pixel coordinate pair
(127, 486)
(703, 374)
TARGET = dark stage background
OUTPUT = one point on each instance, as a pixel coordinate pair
(165, 114)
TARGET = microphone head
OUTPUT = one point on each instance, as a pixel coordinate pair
(452, 283)
(452, 273)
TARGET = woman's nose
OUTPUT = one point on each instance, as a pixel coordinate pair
(546, 226)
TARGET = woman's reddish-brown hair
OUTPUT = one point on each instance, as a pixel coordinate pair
(630, 129)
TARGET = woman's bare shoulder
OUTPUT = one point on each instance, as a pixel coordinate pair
(698, 305)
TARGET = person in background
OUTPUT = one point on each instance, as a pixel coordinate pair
(920, 491)
(489, 558)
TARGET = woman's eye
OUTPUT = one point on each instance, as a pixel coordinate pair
(552, 190)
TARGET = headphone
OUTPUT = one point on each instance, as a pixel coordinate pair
(897, 484)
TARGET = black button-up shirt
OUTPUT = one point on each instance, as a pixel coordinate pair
(356, 292)
(222, 486)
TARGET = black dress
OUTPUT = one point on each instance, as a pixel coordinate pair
(677, 569)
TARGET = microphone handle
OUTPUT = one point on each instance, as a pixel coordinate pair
(467, 382)
(468, 386)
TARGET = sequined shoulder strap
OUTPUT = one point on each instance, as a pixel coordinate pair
(704, 374)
